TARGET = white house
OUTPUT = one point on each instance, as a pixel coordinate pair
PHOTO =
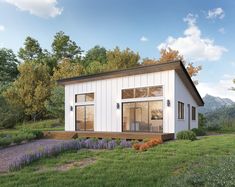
(157, 98)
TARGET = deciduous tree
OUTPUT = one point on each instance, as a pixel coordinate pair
(31, 89)
(66, 69)
(95, 54)
(167, 55)
(118, 59)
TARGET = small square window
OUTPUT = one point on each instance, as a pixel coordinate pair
(80, 98)
(141, 92)
(88, 97)
(127, 93)
(155, 91)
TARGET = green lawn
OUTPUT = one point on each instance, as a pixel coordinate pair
(206, 162)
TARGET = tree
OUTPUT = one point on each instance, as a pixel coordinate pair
(96, 54)
(67, 69)
(167, 55)
(8, 67)
(31, 50)
(95, 67)
(148, 61)
(118, 59)
(31, 89)
(55, 104)
(64, 47)
(9, 116)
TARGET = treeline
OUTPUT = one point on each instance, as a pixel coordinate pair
(28, 88)
(221, 119)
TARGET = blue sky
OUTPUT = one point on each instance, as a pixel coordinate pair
(203, 31)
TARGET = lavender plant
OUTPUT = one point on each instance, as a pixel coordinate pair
(77, 144)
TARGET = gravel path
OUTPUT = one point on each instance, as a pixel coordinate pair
(9, 154)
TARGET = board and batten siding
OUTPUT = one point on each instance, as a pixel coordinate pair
(108, 93)
(182, 94)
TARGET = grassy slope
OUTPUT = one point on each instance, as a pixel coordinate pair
(45, 125)
(126, 167)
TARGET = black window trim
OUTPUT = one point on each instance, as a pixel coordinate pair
(181, 110)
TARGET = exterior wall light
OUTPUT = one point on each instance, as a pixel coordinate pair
(168, 103)
(71, 108)
(118, 105)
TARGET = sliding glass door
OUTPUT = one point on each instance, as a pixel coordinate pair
(146, 116)
(85, 118)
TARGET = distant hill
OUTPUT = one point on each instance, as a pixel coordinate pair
(213, 103)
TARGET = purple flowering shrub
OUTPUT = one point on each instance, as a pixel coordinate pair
(48, 151)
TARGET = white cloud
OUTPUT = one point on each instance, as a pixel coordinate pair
(221, 89)
(41, 8)
(2, 28)
(221, 30)
(192, 45)
(144, 39)
(215, 13)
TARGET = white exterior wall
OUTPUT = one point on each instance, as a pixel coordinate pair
(108, 93)
(182, 94)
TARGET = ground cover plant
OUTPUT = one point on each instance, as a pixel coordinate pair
(162, 165)
(20, 136)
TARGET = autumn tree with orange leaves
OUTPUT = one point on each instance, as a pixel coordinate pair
(167, 55)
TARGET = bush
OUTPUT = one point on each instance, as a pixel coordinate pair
(38, 134)
(186, 135)
(199, 131)
(17, 138)
(147, 144)
(5, 141)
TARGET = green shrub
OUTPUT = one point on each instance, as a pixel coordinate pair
(38, 134)
(186, 135)
(17, 139)
(5, 141)
(199, 131)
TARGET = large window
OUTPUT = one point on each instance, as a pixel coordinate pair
(153, 91)
(180, 110)
(84, 117)
(146, 116)
(193, 113)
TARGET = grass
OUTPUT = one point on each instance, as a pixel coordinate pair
(181, 163)
(44, 125)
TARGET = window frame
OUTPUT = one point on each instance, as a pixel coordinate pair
(181, 110)
(193, 113)
(85, 102)
(142, 98)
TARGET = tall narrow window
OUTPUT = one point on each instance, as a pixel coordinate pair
(193, 113)
(84, 115)
(180, 110)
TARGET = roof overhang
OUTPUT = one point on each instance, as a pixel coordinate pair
(174, 65)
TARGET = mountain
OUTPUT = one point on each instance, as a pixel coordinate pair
(213, 103)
